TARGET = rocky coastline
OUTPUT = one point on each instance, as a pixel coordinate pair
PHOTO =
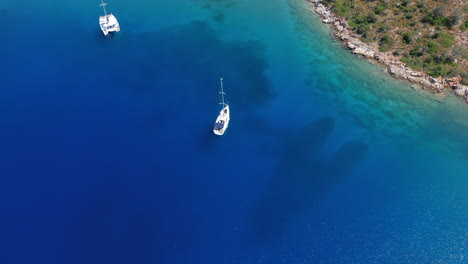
(394, 66)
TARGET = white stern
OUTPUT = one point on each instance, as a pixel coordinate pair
(222, 121)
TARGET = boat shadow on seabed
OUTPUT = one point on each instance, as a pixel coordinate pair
(301, 177)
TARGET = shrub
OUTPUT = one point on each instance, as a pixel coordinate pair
(409, 9)
(407, 38)
(436, 21)
(363, 29)
(452, 21)
(460, 52)
(371, 18)
(360, 19)
(437, 17)
(405, 2)
(429, 60)
(433, 47)
(446, 57)
(458, 72)
(438, 70)
(386, 43)
(342, 8)
(380, 8)
(363, 19)
(414, 63)
(445, 39)
(419, 50)
(456, 17)
(465, 78)
(439, 11)
(361, 23)
(464, 26)
(383, 27)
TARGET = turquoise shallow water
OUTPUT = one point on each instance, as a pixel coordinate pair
(108, 157)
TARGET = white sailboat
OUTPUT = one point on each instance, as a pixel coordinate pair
(222, 121)
(108, 22)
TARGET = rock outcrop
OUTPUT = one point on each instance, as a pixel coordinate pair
(395, 67)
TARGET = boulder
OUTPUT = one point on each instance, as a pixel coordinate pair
(454, 81)
(416, 74)
(461, 90)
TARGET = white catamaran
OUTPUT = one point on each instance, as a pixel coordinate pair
(108, 22)
(222, 121)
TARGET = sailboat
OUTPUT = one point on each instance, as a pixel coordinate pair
(108, 22)
(222, 121)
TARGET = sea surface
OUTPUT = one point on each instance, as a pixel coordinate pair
(107, 153)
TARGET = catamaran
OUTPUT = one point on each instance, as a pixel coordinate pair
(222, 121)
(108, 22)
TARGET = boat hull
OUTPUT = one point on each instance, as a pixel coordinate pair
(109, 24)
(222, 122)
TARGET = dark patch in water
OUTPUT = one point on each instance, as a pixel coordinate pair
(225, 3)
(219, 17)
(217, 8)
(201, 57)
(302, 176)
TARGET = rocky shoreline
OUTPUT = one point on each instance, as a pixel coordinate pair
(395, 67)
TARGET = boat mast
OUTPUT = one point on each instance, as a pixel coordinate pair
(104, 7)
(222, 92)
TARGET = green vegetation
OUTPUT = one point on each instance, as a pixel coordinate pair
(386, 43)
(341, 7)
(445, 39)
(464, 26)
(432, 47)
(430, 65)
(437, 17)
(408, 37)
(460, 52)
(380, 8)
(422, 33)
(460, 72)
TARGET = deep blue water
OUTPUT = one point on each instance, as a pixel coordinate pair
(107, 153)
